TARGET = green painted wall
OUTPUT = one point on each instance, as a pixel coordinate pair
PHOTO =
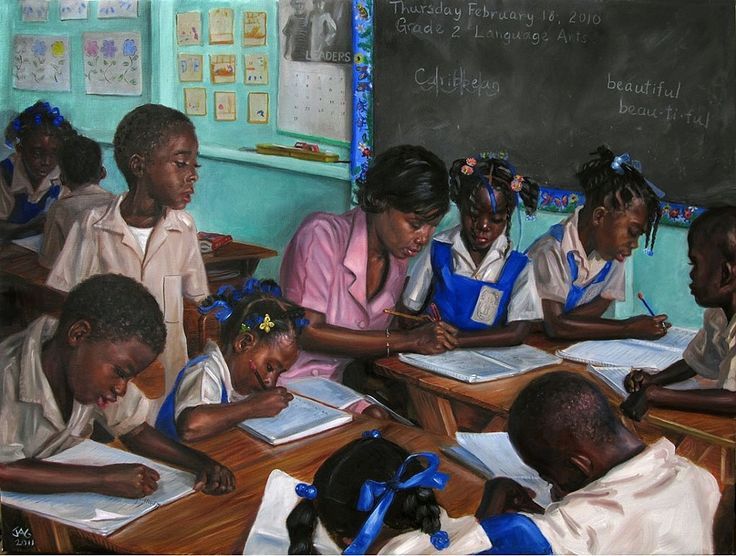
(263, 199)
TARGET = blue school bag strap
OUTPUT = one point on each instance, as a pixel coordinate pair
(456, 296)
(514, 534)
(23, 209)
(166, 420)
(576, 293)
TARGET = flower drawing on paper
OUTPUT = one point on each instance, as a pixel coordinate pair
(58, 49)
(91, 48)
(39, 48)
(108, 48)
(129, 47)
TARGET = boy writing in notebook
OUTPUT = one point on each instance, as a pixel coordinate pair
(712, 353)
(57, 377)
(614, 494)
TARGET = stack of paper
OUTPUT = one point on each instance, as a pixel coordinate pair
(482, 365)
(656, 354)
(98, 513)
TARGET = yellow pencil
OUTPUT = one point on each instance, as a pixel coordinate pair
(406, 315)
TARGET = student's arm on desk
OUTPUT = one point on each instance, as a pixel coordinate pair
(428, 339)
(585, 323)
(501, 495)
(203, 421)
(211, 477)
(712, 400)
(511, 334)
(10, 231)
(638, 379)
(130, 480)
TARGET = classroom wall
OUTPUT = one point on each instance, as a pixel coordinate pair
(262, 199)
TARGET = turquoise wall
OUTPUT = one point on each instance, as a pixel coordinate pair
(261, 199)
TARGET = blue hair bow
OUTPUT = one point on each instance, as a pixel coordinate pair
(624, 159)
(253, 285)
(222, 310)
(379, 496)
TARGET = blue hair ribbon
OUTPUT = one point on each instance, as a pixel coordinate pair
(222, 310)
(624, 159)
(301, 323)
(304, 490)
(378, 496)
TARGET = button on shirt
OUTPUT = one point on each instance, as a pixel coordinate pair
(524, 304)
(31, 423)
(712, 353)
(552, 271)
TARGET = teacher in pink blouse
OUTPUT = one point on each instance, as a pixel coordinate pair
(346, 269)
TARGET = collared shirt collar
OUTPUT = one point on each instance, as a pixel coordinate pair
(495, 252)
(22, 184)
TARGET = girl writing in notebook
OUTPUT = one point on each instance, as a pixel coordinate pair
(29, 178)
(145, 233)
(470, 273)
(220, 388)
(579, 263)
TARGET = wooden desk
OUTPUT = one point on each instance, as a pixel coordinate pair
(201, 524)
(707, 439)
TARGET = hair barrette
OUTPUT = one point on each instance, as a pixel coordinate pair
(301, 323)
(267, 324)
(304, 490)
(373, 433)
(470, 161)
(517, 183)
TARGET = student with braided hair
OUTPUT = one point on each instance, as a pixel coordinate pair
(29, 178)
(473, 277)
(372, 496)
(220, 388)
(579, 263)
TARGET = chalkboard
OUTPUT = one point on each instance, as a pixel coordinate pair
(548, 82)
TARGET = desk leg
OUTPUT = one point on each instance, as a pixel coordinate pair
(728, 462)
(50, 537)
(434, 413)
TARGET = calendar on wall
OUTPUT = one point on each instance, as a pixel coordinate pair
(315, 102)
(315, 80)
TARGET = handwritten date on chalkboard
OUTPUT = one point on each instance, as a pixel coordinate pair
(548, 81)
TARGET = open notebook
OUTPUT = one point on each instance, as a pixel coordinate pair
(98, 513)
(302, 417)
(614, 377)
(645, 354)
(491, 454)
(482, 365)
(337, 395)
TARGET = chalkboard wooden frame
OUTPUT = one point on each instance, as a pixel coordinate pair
(556, 200)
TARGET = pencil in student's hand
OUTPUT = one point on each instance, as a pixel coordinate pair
(644, 301)
(404, 315)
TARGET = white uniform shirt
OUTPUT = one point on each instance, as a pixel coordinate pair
(21, 184)
(171, 267)
(202, 382)
(524, 303)
(31, 423)
(552, 271)
(655, 503)
(712, 353)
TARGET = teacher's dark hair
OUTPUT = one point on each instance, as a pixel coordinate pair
(407, 178)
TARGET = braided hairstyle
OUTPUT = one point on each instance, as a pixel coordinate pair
(468, 175)
(39, 117)
(338, 482)
(144, 129)
(617, 190)
(249, 309)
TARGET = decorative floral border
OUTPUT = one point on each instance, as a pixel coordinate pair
(361, 147)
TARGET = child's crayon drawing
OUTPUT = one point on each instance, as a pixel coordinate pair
(195, 101)
(225, 107)
(254, 28)
(108, 9)
(188, 28)
(73, 9)
(222, 68)
(35, 10)
(112, 63)
(256, 69)
(221, 26)
(41, 63)
(190, 67)
(258, 108)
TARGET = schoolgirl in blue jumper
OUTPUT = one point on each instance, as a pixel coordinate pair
(470, 276)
